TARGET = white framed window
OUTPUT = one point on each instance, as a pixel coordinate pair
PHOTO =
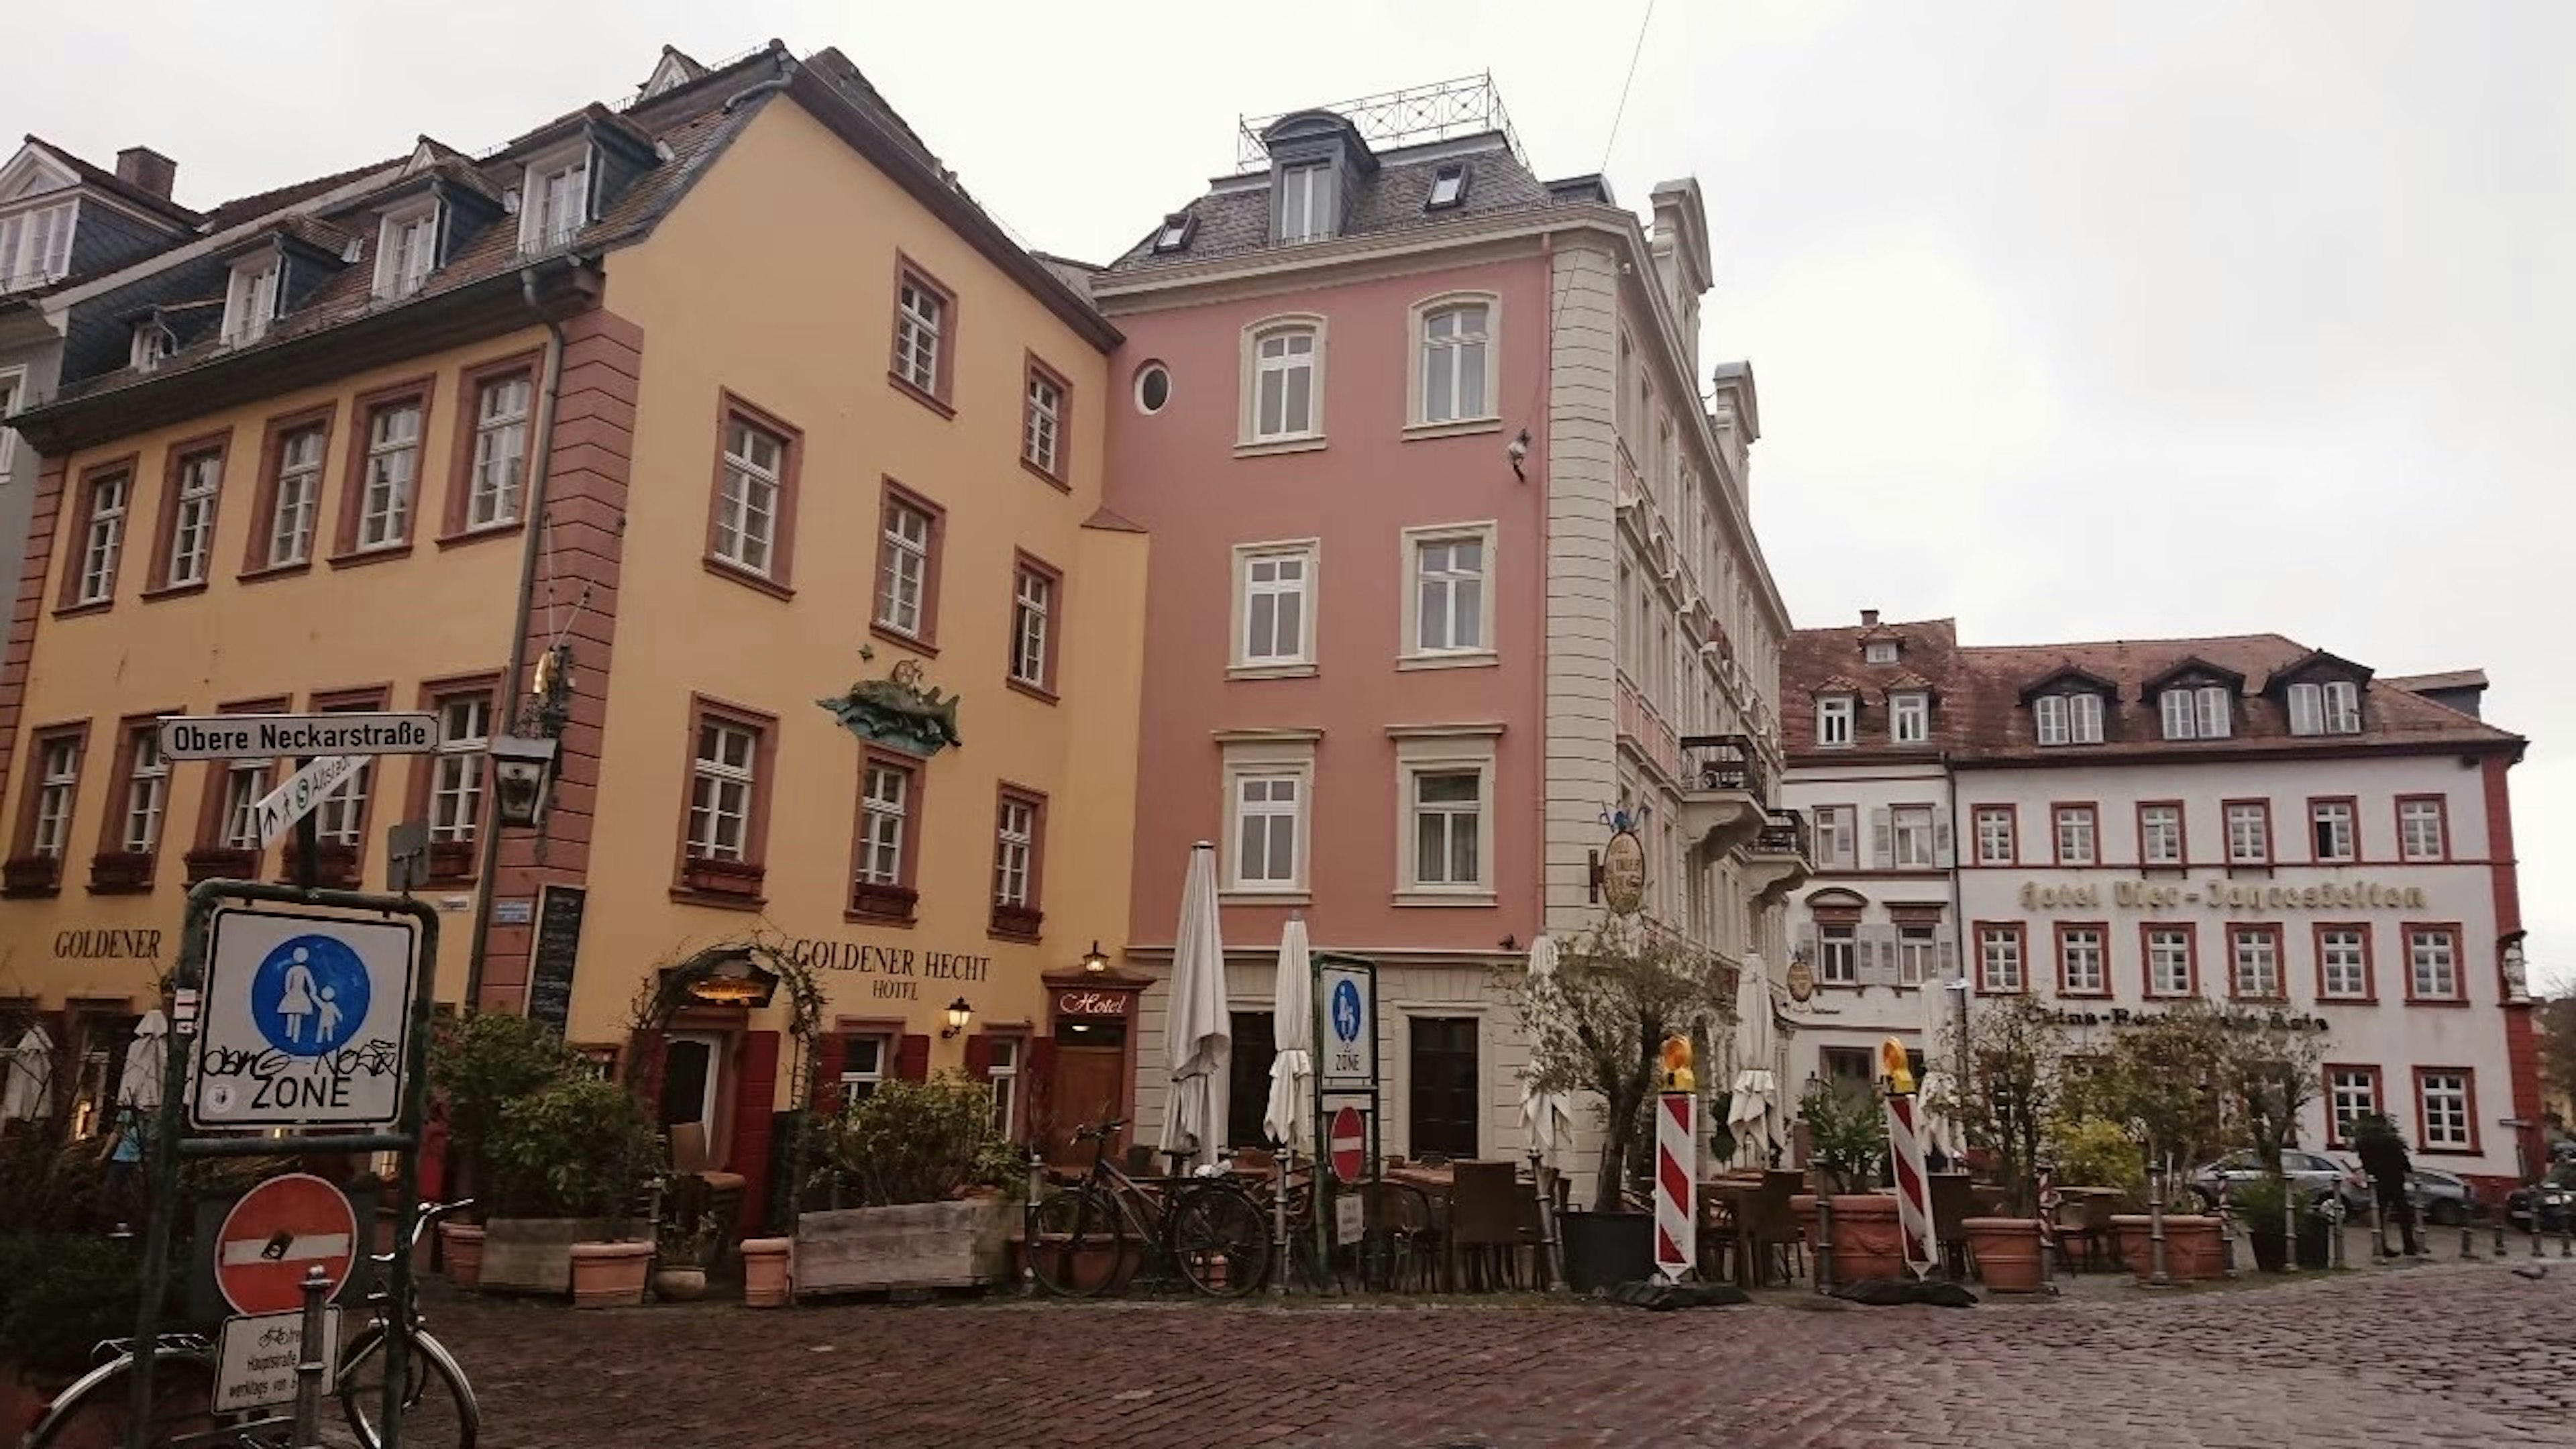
(2330, 708)
(554, 200)
(2212, 712)
(192, 521)
(1837, 836)
(2351, 1093)
(103, 537)
(1909, 717)
(2422, 833)
(1448, 838)
(2048, 718)
(1995, 844)
(1448, 187)
(903, 570)
(2445, 1106)
(2080, 965)
(152, 343)
(57, 782)
(1999, 965)
(885, 804)
(1445, 817)
(1274, 614)
(720, 788)
(1305, 202)
(747, 512)
(1918, 954)
(1878, 651)
(920, 314)
(147, 792)
(2084, 719)
(2078, 839)
(245, 784)
(500, 450)
(2256, 963)
(1269, 810)
(1838, 955)
(1449, 599)
(393, 470)
(1834, 720)
(456, 774)
(2330, 831)
(250, 301)
(1456, 358)
(1032, 615)
(299, 492)
(12, 384)
(2249, 833)
(1015, 835)
(36, 245)
(1002, 1073)
(341, 818)
(406, 249)
(2343, 963)
(2433, 963)
(1041, 441)
(2160, 834)
(1912, 828)
(864, 1059)
(2169, 970)
(1284, 383)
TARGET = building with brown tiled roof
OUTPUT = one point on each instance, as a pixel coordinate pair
(2117, 825)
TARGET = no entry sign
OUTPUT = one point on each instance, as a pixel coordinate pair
(279, 1231)
(1349, 1144)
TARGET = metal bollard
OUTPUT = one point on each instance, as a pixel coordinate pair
(2332, 1212)
(1029, 1224)
(2535, 1225)
(2468, 1241)
(2226, 1231)
(1286, 1159)
(2499, 1232)
(1824, 1242)
(2566, 1231)
(309, 1367)
(2156, 1276)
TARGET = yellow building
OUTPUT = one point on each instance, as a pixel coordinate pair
(838, 633)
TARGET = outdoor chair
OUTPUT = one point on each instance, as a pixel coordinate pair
(699, 1189)
(1487, 1229)
(2084, 1223)
(1402, 1215)
(1952, 1205)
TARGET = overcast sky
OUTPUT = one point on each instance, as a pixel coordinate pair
(2070, 321)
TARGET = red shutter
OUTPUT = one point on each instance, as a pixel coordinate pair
(912, 1059)
(830, 1054)
(1037, 1081)
(643, 1070)
(979, 1056)
(755, 1097)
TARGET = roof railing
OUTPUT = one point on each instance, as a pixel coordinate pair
(1440, 111)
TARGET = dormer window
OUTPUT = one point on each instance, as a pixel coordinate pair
(406, 249)
(1305, 201)
(35, 246)
(250, 302)
(152, 342)
(1175, 233)
(2191, 713)
(1879, 651)
(2068, 719)
(1909, 717)
(554, 200)
(2329, 708)
(1448, 187)
(1834, 720)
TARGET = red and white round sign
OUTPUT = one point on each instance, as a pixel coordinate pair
(279, 1231)
(1349, 1144)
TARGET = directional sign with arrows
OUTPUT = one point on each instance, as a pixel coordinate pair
(297, 798)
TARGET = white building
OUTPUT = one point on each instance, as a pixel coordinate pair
(2115, 827)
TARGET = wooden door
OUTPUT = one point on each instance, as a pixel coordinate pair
(1089, 1086)
(1444, 1097)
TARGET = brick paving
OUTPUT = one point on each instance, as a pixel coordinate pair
(2443, 1353)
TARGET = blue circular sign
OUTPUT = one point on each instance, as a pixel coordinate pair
(1346, 1009)
(310, 996)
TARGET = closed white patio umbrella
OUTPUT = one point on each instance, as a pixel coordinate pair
(1291, 1116)
(1197, 1035)
(147, 1058)
(1547, 1117)
(1756, 1089)
(1932, 1126)
(28, 1067)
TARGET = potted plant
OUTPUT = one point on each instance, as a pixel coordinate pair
(478, 1066)
(680, 1267)
(565, 1167)
(1846, 1144)
(2015, 1048)
(1596, 1025)
(919, 1189)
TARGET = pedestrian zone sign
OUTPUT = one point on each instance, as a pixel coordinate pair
(306, 1020)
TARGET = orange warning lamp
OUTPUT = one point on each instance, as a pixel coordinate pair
(1893, 1066)
(1677, 1065)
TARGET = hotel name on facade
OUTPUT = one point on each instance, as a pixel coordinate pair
(2223, 895)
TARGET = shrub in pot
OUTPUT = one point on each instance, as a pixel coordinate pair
(1847, 1146)
(680, 1266)
(921, 1191)
(478, 1066)
(565, 1167)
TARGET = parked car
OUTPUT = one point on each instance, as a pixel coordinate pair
(2313, 1174)
(2557, 1200)
(2442, 1198)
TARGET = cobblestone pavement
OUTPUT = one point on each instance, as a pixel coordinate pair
(2431, 1354)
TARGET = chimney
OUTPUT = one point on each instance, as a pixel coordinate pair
(143, 167)
(1869, 618)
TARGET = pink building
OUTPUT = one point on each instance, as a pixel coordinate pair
(1437, 583)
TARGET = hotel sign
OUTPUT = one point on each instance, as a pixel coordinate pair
(899, 970)
(2221, 895)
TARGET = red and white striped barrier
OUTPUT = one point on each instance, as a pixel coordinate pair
(1905, 1155)
(1676, 1185)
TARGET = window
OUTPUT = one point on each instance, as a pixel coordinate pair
(1015, 846)
(2069, 719)
(147, 791)
(1852, 1070)
(2160, 834)
(747, 508)
(1448, 187)
(500, 459)
(2432, 963)
(1305, 202)
(1918, 953)
(2170, 969)
(390, 470)
(11, 384)
(2423, 833)
(2444, 1108)
(2195, 713)
(1837, 836)
(554, 202)
(1838, 955)
(1834, 720)
(58, 758)
(36, 246)
(1446, 811)
(1450, 602)
(1042, 426)
(1999, 966)
(1446, 1097)
(1274, 623)
(341, 818)
(2331, 832)
(250, 302)
(1033, 626)
(102, 538)
(1909, 718)
(297, 492)
(1153, 388)
(906, 555)
(720, 791)
(1283, 391)
(863, 1065)
(1995, 843)
(2343, 963)
(2077, 840)
(1913, 836)
(1879, 651)
(1175, 232)
(2351, 1093)
(456, 772)
(406, 248)
(192, 519)
(1002, 1074)
(889, 816)
(2331, 708)
(2081, 967)
(1456, 348)
(152, 344)
(245, 784)
(1267, 815)
(2249, 832)
(1445, 787)
(2254, 962)
(920, 324)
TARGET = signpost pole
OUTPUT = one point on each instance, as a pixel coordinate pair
(308, 839)
(163, 1153)
(309, 1365)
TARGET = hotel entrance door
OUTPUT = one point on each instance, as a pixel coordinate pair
(1089, 1084)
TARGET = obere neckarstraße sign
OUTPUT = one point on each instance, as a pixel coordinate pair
(269, 736)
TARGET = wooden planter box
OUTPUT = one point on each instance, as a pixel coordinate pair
(120, 872)
(31, 875)
(534, 1255)
(221, 862)
(737, 878)
(1018, 922)
(883, 902)
(334, 864)
(915, 1245)
(451, 861)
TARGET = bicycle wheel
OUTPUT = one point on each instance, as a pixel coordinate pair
(1221, 1239)
(96, 1411)
(1080, 1242)
(438, 1408)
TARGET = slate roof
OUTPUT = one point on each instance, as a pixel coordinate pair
(1979, 714)
(117, 186)
(242, 209)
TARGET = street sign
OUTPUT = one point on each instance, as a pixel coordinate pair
(306, 1020)
(1348, 1144)
(271, 736)
(1350, 1218)
(255, 1358)
(1350, 1037)
(280, 808)
(407, 856)
(279, 1231)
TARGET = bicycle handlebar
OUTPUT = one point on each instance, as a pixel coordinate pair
(1099, 1131)
(430, 1212)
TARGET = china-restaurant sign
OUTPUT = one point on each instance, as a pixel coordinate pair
(2223, 895)
(2244, 1020)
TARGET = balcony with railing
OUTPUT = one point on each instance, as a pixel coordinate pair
(1723, 792)
(1781, 857)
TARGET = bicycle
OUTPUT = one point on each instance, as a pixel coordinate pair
(93, 1412)
(1209, 1229)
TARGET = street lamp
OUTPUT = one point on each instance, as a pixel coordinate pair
(1094, 961)
(959, 1013)
(522, 774)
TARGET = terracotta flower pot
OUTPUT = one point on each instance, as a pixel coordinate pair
(1867, 1240)
(2006, 1252)
(2191, 1246)
(609, 1275)
(764, 1271)
(462, 1243)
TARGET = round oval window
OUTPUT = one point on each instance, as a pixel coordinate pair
(1153, 387)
